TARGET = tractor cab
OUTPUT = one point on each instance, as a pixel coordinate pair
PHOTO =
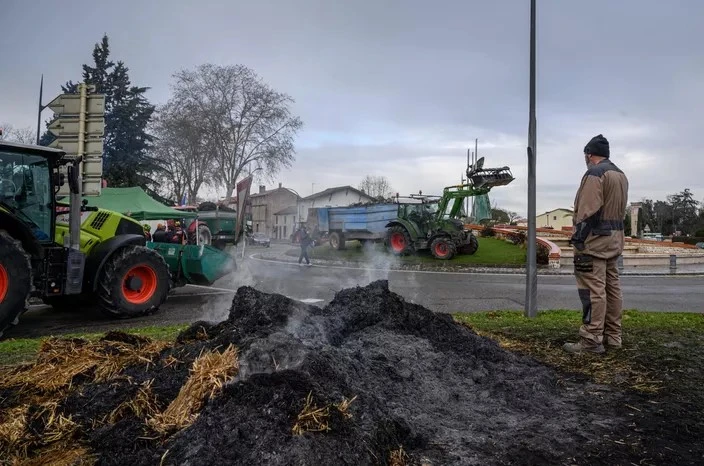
(27, 187)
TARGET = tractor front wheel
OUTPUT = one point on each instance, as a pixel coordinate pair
(134, 282)
(399, 241)
(15, 281)
(471, 247)
(443, 248)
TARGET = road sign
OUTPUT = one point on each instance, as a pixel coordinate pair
(70, 146)
(70, 104)
(79, 127)
(67, 126)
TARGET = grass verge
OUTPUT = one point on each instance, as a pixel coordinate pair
(660, 350)
(21, 350)
(491, 251)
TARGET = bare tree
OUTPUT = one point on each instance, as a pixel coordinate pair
(182, 150)
(22, 135)
(376, 186)
(248, 125)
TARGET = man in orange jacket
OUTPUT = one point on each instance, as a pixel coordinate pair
(598, 240)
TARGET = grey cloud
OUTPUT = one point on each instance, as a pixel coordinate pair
(401, 88)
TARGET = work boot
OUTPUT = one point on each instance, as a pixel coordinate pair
(580, 347)
(612, 342)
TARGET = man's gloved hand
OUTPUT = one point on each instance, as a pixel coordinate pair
(579, 245)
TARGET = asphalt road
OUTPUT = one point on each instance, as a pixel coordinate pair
(442, 292)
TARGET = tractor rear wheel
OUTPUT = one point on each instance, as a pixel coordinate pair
(337, 241)
(15, 281)
(471, 247)
(399, 241)
(443, 248)
(134, 282)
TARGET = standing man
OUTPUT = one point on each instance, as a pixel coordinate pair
(306, 241)
(598, 240)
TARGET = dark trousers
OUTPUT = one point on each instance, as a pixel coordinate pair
(304, 255)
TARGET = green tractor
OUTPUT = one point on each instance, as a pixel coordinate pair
(433, 222)
(91, 252)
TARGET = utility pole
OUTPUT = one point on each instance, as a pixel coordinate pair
(531, 305)
(41, 107)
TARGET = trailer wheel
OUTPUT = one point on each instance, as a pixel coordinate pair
(134, 282)
(471, 247)
(399, 241)
(15, 281)
(204, 235)
(337, 241)
(443, 248)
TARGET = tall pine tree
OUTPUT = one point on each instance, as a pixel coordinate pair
(127, 145)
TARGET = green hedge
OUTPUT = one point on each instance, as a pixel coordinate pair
(688, 239)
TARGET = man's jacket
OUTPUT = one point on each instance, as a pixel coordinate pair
(599, 210)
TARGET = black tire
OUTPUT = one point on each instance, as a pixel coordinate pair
(113, 293)
(205, 236)
(337, 241)
(443, 248)
(471, 247)
(398, 241)
(15, 281)
(207, 207)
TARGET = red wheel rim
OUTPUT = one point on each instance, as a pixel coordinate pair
(4, 283)
(147, 287)
(441, 249)
(398, 242)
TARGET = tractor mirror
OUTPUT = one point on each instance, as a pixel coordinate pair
(59, 179)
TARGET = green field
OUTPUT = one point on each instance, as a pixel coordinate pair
(491, 252)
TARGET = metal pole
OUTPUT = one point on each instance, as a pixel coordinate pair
(39, 111)
(531, 306)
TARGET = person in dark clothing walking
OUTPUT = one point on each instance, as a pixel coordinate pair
(306, 242)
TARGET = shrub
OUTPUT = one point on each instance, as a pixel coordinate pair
(688, 239)
(488, 231)
(517, 237)
(542, 255)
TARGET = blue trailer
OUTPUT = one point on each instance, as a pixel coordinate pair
(341, 224)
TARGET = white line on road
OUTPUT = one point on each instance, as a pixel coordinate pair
(368, 269)
(214, 288)
(437, 272)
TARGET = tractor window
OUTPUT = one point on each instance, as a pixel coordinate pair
(25, 185)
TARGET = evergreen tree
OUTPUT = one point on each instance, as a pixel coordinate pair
(126, 160)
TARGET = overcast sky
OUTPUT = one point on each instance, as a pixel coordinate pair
(401, 88)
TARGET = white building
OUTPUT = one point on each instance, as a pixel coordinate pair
(332, 197)
(557, 219)
(285, 223)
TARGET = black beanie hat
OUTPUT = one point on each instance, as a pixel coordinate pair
(598, 145)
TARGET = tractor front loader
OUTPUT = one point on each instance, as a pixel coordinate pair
(433, 222)
(93, 253)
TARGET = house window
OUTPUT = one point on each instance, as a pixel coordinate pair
(277, 219)
(257, 228)
(554, 217)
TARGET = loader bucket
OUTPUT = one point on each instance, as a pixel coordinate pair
(196, 264)
(491, 177)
